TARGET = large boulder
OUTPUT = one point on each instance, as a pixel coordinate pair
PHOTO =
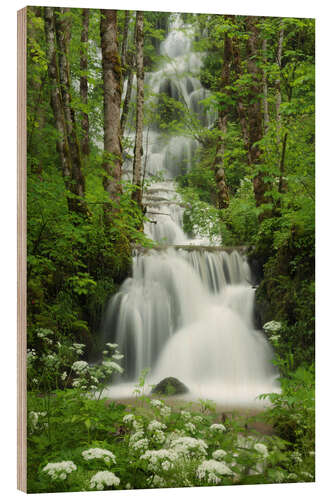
(169, 386)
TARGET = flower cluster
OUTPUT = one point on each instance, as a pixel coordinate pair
(189, 447)
(272, 327)
(212, 471)
(80, 367)
(217, 427)
(99, 453)
(102, 479)
(160, 459)
(58, 471)
(219, 454)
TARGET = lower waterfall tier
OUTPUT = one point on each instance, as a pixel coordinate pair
(189, 315)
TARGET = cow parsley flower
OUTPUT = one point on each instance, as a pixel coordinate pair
(165, 411)
(140, 445)
(156, 403)
(219, 454)
(198, 419)
(64, 376)
(189, 447)
(186, 415)
(113, 366)
(111, 346)
(99, 453)
(160, 458)
(261, 448)
(80, 366)
(190, 427)
(102, 479)
(129, 418)
(272, 327)
(158, 437)
(212, 471)
(59, 470)
(217, 427)
(156, 425)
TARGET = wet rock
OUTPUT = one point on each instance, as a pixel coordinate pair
(169, 386)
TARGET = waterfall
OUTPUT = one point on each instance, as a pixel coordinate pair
(187, 311)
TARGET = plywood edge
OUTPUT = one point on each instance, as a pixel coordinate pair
(21, 249)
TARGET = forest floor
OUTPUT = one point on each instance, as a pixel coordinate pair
(252, 418)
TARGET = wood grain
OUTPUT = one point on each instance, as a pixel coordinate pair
(21, 250)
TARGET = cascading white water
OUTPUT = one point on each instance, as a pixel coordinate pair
(186, 312)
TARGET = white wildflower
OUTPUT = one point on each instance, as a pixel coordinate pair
(129, 418)
(102, 479)
(111, 346)
(113, 366)
(217, 427)
(190, 427)
(186, 415)
(198, 419)
(64, 376)
(165, 411)
(189, 447)
(78, 348)
(140, 445)
(160, 458)
(136, 436)
(156, 403)
(99, 453)
(117, 357)
(219, 454)
(80, 366)
(76, 382)
(158, 437)
(212, 470)
(272, 327)
(158, 481)
(261, 448)
(156, 425)
(59, 470)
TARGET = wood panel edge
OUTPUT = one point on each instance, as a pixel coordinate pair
(21, 249)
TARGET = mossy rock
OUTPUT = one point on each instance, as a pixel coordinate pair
(170, 386)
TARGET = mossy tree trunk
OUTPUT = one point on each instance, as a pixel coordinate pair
(138, 148)
(84, 82)
(112, 78)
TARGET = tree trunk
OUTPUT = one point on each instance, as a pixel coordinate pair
(278, 88)
(84, 81)
(130, 74)
(138, 150)
(260, 186)
(124, 42)
(56, 98)
(241, 108)
(62, 25)
(112, 161)
(265, 87)
(219, 161)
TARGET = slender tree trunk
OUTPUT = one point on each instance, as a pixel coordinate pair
(241, 108)
(138, 149)
(278, 87)
(62, 25)
(219, 161)
(56, 98)
(112, 161)
(84, 81)
(255, 127)
(124, 42)
(265, 87)
(127, 100)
